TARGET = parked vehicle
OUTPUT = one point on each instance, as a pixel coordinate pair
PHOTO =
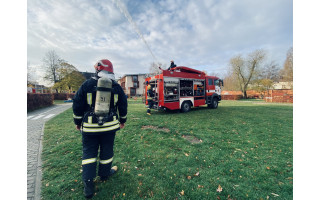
(183, 88)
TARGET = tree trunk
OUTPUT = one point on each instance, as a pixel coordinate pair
(244, 91)
(245, 94)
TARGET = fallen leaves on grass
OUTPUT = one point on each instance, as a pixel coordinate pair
(181, 193)
(276, 195)
(219, 188)
(196, 174)
(186, 154)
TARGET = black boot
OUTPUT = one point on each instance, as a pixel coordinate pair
(88, 188)
(113, 170)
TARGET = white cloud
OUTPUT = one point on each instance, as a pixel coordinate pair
(201, 34)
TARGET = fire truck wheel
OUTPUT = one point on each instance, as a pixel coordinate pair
(186, 106)
(214, 103)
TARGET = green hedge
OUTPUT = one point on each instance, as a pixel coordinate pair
(36, 101)
(63, 96)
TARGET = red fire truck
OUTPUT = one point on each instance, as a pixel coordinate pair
(183, 87)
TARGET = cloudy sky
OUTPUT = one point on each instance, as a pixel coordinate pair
(202, 34)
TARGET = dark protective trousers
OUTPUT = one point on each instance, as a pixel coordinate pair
(150, 105)
(90, 146)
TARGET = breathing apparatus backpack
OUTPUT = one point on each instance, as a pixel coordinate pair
(103, 100)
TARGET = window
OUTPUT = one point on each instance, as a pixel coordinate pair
(135, 78)
(210, 82)
(216, 82)
(135, 84)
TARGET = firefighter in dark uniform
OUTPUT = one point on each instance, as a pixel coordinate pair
(98, 130)
(172, 65)
(150, 94)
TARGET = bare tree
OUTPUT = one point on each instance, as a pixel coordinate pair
(213, 74)
(245, 69)
(287, 70)
(270, 71)
(155, 68)
(230, 82)
(51, 63)
(31, 75)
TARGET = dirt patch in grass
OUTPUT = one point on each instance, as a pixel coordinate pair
(192, 139)
(156, 128)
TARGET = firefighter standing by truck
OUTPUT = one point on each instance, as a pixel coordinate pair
(150, 94)
(95, 109)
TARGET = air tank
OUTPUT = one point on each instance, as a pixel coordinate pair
(103, 98)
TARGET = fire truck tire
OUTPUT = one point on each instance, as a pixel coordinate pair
(186, 106)
(214, 103)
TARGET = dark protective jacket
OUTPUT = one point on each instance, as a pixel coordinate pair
(150, 94)
(172, 65)
(83, 108)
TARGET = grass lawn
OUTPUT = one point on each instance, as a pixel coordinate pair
(244, 147)
(58, 102)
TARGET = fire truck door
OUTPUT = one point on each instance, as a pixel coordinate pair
(210, 85)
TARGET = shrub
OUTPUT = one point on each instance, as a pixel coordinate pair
(62, 96)
(35, 101)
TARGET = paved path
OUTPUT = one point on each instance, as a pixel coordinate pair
(36, 121)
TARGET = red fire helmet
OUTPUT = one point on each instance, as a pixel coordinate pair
(105, 65)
